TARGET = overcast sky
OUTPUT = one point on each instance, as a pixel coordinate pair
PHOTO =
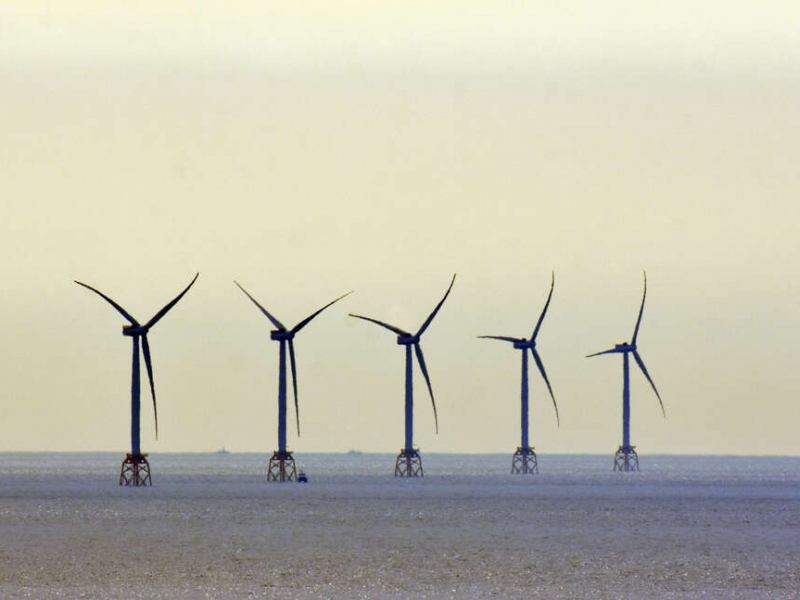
(307, 151)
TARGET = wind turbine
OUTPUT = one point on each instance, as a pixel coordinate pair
(626, 458)
(524, 460)
(409, 461)
(135, 468)
(281, 465)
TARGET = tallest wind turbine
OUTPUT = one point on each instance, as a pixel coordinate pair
(135, 469)
(409, 461)
(626, 458)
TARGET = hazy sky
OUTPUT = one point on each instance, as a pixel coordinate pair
(307, 151)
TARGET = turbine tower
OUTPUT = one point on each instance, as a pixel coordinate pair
(281, 465)
(409, 461)
(626, 458)
(135, 468)
(524, 460)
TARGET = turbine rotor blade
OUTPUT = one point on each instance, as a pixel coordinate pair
(275, 321)
(120, 310)
(640, 362)
(294, 385)
(546, 304)
(544, 375)
(424, 369)
(436, 310)
(305, 321)
(612, 351)
(167, 308)
(148, 363)
(504, 338)
(641, 309)
(397, 330)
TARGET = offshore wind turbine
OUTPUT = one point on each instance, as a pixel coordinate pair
(281, 465)
(135, 468)
(626, 458)
(409, 461)
(524, 460)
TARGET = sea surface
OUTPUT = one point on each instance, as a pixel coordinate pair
(212, 527)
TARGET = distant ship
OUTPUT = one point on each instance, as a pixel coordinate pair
(222, 451)
(354, 452)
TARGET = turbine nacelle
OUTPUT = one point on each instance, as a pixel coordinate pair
(622, 348)
(407, 340)
(134, 330)
(277, 334)
(523, 344)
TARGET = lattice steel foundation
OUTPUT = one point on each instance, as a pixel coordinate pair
(626, 459)
(409, 464)
(135, 471)
(281, 467)
(524, 462)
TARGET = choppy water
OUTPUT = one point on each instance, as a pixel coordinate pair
(683, 527)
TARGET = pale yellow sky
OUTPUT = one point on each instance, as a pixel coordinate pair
(307, 151)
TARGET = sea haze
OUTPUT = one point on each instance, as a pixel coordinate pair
(211, 526)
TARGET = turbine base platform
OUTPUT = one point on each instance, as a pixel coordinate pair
(281, 467)
(409, 464)
(135, 471)
(524, 462)
(626, 459)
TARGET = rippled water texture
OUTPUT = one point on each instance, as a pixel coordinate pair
(212, 527)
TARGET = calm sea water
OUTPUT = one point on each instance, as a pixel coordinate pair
(763, 474)
(212, 527)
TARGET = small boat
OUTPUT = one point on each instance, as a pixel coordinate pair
(222, 451)
(301, 477)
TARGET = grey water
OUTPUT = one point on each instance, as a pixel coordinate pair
(211, 526)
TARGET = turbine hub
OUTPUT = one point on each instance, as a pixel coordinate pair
(277, 334)
(407, 340)
(624, 346)
(524, 344)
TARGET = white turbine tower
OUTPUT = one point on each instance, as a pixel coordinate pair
(135, 468)
(409, 461)
(524, 460)
(626, 458)
(281, 465)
